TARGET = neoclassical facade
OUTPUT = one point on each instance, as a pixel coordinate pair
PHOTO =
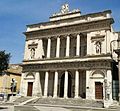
(69, 56)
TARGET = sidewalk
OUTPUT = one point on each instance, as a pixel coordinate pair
(65, 106)
(6, 108)
(60, 108)
(51, 107)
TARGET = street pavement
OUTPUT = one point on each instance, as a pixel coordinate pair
(39, 108)
(7, 108)
(52, 108)
(46, 108)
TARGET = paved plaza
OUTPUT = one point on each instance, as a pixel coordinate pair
(47, 108)
(43, 108)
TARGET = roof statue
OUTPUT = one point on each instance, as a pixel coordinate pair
(65, 10)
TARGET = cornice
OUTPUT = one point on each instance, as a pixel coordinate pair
(76, 28)
(80, 17)
(69, 13)
(70, 58)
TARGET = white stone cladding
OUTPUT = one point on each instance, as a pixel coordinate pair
(38, 50)
(98, 76)
(70, 57)
(86, 19)
(37, 91)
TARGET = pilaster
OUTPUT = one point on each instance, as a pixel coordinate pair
(37, 86)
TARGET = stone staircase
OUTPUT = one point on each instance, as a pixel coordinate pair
(21, 100)
(114, 105)
(69, 101)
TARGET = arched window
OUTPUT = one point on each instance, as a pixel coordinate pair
(98, 47)
(32, 53)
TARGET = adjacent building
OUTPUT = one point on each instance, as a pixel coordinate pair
(10, 80)
(71, 56)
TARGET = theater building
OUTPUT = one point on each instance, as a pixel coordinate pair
(69, 56)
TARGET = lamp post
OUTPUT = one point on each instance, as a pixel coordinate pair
(117, 51)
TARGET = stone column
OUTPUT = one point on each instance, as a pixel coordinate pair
(48, 47)
(76, 84)
(108, 89)
(22, 86)
(37, 86)
(58, 47)
(46, 84)
(109, 84)
(67, 46)
(66, 85)
(78, 45)
(55, 84)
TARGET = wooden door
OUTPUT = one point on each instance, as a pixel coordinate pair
(30, 87)
(98, 90)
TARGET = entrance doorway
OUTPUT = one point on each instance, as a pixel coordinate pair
(62, 85)
(98, 90)
(30, 87)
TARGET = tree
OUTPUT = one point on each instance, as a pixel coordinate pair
(4, 61)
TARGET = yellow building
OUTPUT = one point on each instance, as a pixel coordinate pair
(10, 80)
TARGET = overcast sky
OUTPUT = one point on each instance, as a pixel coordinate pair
(16, 14)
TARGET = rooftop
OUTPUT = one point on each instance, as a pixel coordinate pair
(66, 17)
(14, 68)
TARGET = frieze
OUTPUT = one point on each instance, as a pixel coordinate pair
(78, 28)
(66, 65)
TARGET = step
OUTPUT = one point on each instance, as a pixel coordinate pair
(61, 101)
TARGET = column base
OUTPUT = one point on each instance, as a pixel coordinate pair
(77, 97)
(77, 56)
(44, 96)
(67, 56)
(107, 103)
(55, 97)
(65, 97)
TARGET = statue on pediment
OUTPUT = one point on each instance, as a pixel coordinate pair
(64, 8)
